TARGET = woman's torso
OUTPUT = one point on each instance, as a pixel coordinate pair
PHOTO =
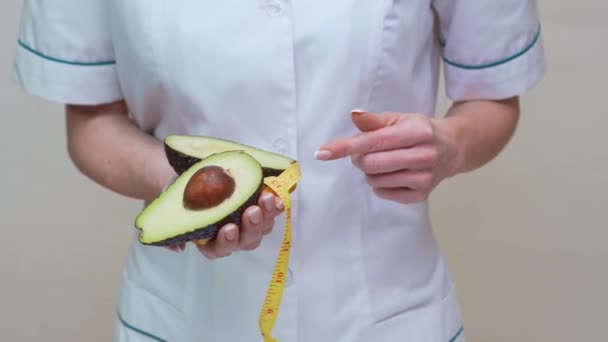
(284, 76)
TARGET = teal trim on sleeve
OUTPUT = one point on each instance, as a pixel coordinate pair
(494, 64)
(139, 331)
(458, 333)
(63, 61)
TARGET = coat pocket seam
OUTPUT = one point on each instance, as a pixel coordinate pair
(443, 312)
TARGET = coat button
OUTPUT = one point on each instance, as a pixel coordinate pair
(289, 278)
(281, 146)
(272, 8)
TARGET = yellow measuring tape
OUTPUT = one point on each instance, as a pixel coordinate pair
(282, 186)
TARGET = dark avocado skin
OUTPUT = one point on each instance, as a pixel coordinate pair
(210, 232)
(181, 162)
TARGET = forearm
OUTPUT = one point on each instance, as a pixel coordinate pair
(106, 147)
(478, 131)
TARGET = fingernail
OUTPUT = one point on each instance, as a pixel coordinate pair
(279, 204)
(268, 201)
(230, 232)
(323, 155)
(255, 216)
(358, 111)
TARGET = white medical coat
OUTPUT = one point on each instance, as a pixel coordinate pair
(283, 76)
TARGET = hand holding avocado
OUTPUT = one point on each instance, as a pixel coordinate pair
(257, 221)
(404, 156)
(218, 199)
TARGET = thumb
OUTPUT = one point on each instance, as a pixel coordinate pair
(366, 121)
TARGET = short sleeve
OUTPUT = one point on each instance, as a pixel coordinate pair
(64, 52)
(491, 49)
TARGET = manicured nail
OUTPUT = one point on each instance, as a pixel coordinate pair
(255, 216)
(323, 155)
(268, 202)
(230, 232)
(279, 204)
(358, 111)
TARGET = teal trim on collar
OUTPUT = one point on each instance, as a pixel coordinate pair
(458, 333)
(63, 61)
(139, 331)
(502, 61)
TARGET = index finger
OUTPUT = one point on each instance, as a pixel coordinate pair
(383, 139)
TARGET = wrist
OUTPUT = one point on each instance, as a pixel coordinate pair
(451, 148)
(165, 176)
(159, 173)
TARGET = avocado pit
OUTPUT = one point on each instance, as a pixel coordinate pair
(207, 188)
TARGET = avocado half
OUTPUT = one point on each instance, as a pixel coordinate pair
(168, 220)
(183, 151)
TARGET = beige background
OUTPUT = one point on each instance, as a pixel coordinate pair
(528, 244)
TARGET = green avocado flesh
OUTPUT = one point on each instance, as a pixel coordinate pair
(184, 150)
(167, 220)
